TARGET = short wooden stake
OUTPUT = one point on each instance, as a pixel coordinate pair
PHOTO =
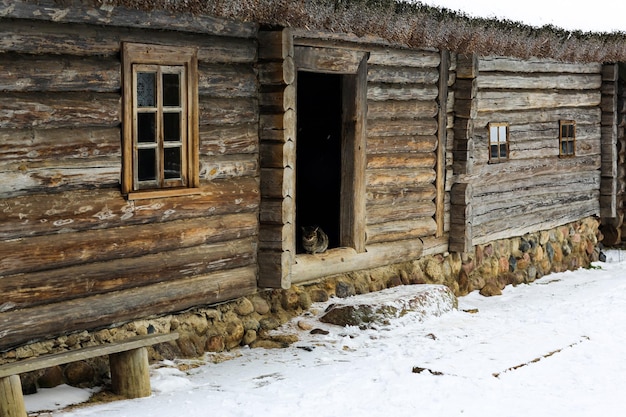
(11, 397)
(130, 373)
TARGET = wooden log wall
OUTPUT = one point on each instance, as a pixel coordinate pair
(402, 143)
(534, 189)
(74, 253)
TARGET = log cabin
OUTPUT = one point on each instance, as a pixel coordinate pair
(159, 156)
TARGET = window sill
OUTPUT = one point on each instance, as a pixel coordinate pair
(162, 193)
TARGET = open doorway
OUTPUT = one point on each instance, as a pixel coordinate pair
(319, 155)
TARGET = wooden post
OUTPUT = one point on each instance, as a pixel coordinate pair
(11, 398)
(130, 376)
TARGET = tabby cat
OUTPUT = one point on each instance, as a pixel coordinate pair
(314, 240)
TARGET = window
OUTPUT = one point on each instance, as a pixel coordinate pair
(160, 120)
(567, 138)
(498, 142)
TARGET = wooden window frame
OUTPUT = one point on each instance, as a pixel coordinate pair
(159, 58)
(498, 159)
(567, 139)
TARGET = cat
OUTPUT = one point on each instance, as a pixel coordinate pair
(314, 240)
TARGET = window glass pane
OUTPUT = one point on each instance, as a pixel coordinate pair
(146, 127)
(502, 134)
(146, 82)
(493, 134)
(503, 150)
(564, 148)
(171, 90)
(570, 147)
(171, 127)
(570, 131)
(146, 164)
(172, 162)
(494, 151)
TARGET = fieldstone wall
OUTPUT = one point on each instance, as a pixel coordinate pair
(248, 320)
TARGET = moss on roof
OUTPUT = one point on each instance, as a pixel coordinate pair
(400, 23)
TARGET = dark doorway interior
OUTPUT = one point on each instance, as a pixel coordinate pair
(318, 154)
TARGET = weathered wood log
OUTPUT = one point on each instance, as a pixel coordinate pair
(581, 115)
(408, 109)
(52, 320)
(340, 260)
(491, 101)
(130, 373)
(218, 111)
(228, 166)
(400, 178)
(391, 195)
(227, 81)
(404, 58)
(241, 138)
(50, 286)
(506, 64)
(84, 40)
(275, 268)
(401, 230)
(56, 251)
(402, 75)
(277, 183)
(277, 154)
(11, 397)
(381, 92)
(327, 60)
(275, 45)
(540, 81)
(400, 144)
(278, 127)
(36, 73)
(402, 127)
(47, 213)
(55, 110)
(281, 72)
(402, 161)
(398, 212)
(120, 16)
(277, 211)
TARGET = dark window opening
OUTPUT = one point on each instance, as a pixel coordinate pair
(318, 155)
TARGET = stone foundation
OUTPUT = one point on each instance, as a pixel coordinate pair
(248, 320)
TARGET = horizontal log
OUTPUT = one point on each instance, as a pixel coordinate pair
(277, 154)
(465, 89)
(400, 211)
(41, 144)
(229, 166)
(278, 127)
(63, 284)
(545, 219)
(229, 139)
(404, 58)
(227, 81)
(99, 311)
(277, 183)
(491, 101)
(540, 81)
(281, 72)
(82, 210)
(401, 230)
(402, 75)
(401, 161)
(277, 99)
(505, 64)
(341, 260)
(400, 144)
(84, 40)
(277, 211)
(589, 115)
(327, 60)
(56, 251)
(59, 73)
(402, 127)
(275, 45)
(220, 111)
(56, 110)
(50, 10)
(381, 92)
(390, 195)
(400, 178)
(410, 109)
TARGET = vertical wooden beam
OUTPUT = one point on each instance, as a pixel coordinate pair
(442, 115)
(130, 373)
(352, 223)
(11, 397)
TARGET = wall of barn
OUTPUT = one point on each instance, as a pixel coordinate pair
(534, 189)
(74, 253)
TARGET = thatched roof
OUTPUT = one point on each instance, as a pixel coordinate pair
(400, 23)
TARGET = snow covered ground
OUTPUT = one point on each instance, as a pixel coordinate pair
(556, 347)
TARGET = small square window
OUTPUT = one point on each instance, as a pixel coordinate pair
(567, 138)
(498, 142)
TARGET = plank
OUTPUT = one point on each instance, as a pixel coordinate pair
(61, 358)
(327, 60)
(99, 311)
